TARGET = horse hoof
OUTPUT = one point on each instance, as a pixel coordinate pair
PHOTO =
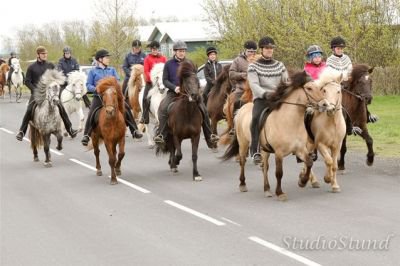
(36, 159)
(267, 194)
(197, 178)
(327, 179)
(113, 182)
(47, 164)
(301, 184)
(315, 184)
(370, 161)
(341, 167)
(335, 190)
(243, 188)
(118, 172)
(282, 197)
(59, 148)
(174, 170)
(65, 134)
(99, 173)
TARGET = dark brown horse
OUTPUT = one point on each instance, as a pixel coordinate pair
(110, 126)
(217, 97)
(357, 94)
(184, 119)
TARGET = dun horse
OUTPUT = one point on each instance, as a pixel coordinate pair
(46, 117)
(185, 119)
(110, 126)
(135, 85)
(357, 94)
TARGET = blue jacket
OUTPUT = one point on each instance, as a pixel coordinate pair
(132, 59)
(170, 74)
(67, 65)
(96, 74)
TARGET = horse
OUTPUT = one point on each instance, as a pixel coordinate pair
(17, 79)
(71, 96)
(217, 97)
(4, 68)
(357, 94)
(282, 133)
(157, 93)
(184, 119)
(46, 116)
(110, 127)
(135, 85)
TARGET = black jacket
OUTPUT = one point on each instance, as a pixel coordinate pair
(35, 72)
(211, 71)
(67, 65)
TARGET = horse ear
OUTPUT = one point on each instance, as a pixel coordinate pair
(371, 69)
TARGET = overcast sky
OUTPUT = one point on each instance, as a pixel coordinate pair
(17, 13)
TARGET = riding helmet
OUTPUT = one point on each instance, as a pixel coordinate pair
(338, 42)
(136, 43)
(266, 42)
(314, 49)
(179, 45)
(154, 45)
(211, 50)
(250, 45)
(67, 49)
(13, 54)
(101, 53)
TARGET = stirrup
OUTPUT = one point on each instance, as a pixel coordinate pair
(214, 138)
(257, 158)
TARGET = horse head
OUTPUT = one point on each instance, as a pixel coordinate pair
(156, 76)
(49, 86)
(77, 84)
(111, 95)
(329, 84)
(189, 83)
(360, 82)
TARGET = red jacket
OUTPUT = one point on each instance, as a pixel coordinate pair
(149, 61)
(314, 70)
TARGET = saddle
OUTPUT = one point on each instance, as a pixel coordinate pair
(263, 117)
(94, 118)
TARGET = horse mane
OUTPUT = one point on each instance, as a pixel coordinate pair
(185, 70)
(75, 76)
(108, 82)
(157, 68)
(359, 71)
(136, 71)
(297, 80)
(221, 78)
(4, 67)
(50, 76)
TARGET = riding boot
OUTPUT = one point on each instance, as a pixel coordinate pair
(10, 72)
(211, 138)
(130, 122)
(125, 88)
(25, 121)
(86, 101)
(67, 123)
(161, 133)
(254, 147)
(146, 104)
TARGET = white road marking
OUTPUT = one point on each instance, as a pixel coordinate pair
(56, 152)
(230, 221)
(26, 139)
(83, 164)
(283, 251)
(195, 213)
(6, 130)
(129, 184)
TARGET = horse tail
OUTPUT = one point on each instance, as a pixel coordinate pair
(232, 150)
(35, 137)
(228, 111)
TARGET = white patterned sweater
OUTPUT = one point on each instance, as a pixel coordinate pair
(341, 64)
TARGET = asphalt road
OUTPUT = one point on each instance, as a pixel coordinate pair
(66, 215)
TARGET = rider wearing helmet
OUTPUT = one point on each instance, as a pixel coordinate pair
(171, 82)
(33, 75)
(100, 71)
(12, 55)
(314, 64)
(338, 60)
(150, 60)
(211, 70)
(136, 56)
(264, 76)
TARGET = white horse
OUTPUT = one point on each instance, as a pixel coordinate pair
(71, 96)
(17, 79)
(156, 94)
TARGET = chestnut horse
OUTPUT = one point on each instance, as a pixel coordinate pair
(4, 68)
(283, 132)
(184, 119)
(110, 126)
(135, 85)
(357, 94)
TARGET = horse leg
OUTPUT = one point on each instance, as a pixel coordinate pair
(278, 174)
(243, 148)
(334, 184)
(343, 151)
(331, 167)
(59, 141)
(121, 154)
(265, 167)
(195, 147)
(369, 141)
(81, 118)
(306, 157)
(46, 147)
(172, 161)
(178, 146)
(96, 150)
(112, 159)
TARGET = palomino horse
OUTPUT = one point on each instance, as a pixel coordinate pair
(46, 117)
(71, 96)
(357, 94)
(135, 85)
(17, 80)
(283, 132)
(4, 68)
(184, 119)
(110, 126)
(217, 98)
(157, 93)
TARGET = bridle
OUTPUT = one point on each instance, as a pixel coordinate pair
(113, 106)
(74, 94)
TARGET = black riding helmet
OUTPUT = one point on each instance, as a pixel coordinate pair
(154, 44)
(136, 43)
(211, 50)
(250, 45)
(338, 42)
(101, 53)
(266, 42)
(67, 49)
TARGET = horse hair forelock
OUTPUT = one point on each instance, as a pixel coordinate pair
(359, 71)
(157, 68)
(108, 82)
(50, 76)
(186, 69)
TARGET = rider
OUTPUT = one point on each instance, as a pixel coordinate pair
(103, 70)
(314, 64)
(12, 56)
(342, 63)
(171, 81)
(150, 60)
(136, 56)
(211, 70)
(33, 75)
(264, 76)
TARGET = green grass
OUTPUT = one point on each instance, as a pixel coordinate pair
(386, 132)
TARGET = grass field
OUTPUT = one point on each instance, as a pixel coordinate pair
(386, 132)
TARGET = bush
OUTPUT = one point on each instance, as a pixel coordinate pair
(386, 80)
